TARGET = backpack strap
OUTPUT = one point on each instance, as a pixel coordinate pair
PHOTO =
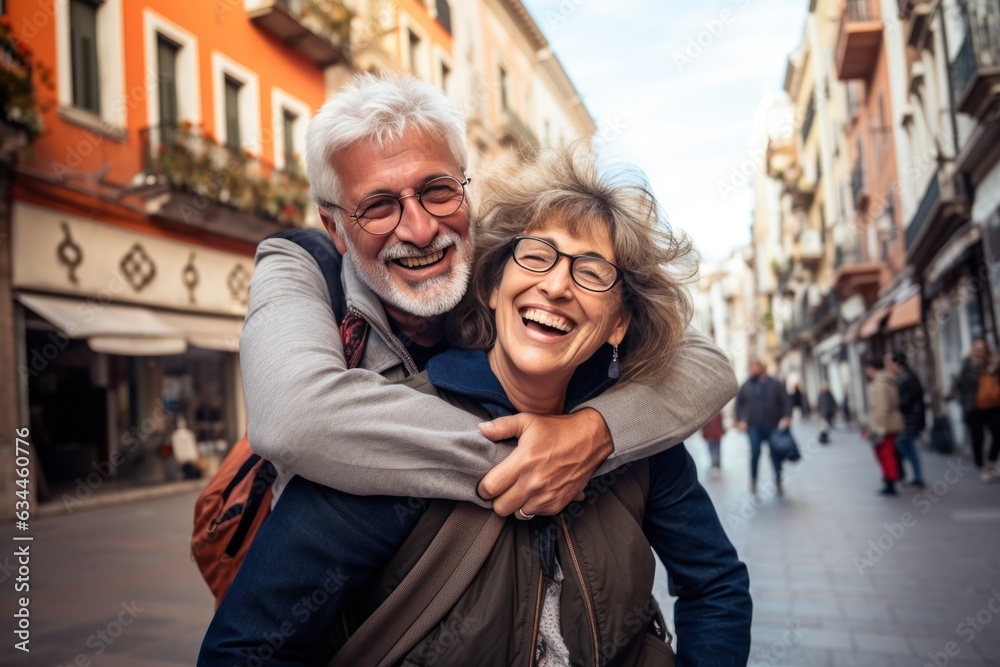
(428, 592)
(353, 328)
(318, 244)
(266, 474)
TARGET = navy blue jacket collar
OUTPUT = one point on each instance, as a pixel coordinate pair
(468, 373)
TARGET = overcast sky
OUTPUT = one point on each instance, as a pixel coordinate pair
(674, 86)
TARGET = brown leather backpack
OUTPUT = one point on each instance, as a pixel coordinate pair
(232, 508)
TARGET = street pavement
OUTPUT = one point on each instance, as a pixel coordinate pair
(842, 576)
(839, 575)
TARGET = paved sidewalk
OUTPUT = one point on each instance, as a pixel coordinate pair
(113, 587)
(842, 576)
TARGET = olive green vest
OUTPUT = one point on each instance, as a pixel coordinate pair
(608, 614)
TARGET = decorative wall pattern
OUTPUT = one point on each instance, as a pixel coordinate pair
(72, 255)
(69, 253)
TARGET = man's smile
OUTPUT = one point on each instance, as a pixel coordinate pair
(422, 261)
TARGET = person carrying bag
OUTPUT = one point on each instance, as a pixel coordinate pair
(885, 421)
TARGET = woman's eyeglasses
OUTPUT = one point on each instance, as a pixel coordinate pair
(380, 214)
(589, 272)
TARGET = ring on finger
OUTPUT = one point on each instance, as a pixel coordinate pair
(524, 517)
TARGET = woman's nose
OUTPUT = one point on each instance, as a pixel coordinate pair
(557, 282)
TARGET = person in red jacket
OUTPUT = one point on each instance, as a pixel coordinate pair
(713, 432)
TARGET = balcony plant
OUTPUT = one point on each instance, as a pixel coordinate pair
(331, 15)
(194, 162)
(20, 103)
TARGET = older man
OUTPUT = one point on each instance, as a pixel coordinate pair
(387, 163)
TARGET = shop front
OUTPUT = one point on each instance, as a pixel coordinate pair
(960, 300)
(122, 338)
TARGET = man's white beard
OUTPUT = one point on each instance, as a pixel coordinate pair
(425, 298)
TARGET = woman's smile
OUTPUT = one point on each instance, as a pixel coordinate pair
(546, 322)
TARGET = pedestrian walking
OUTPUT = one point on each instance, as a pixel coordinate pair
(911, 404)
(713, 432)
(978, 387)
(827, 406)
(799, 401)
(185, 449)
(762, 407)
(885, 421)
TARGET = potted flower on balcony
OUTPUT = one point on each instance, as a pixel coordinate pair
(287, 200)
(331, 15)
(20, 105)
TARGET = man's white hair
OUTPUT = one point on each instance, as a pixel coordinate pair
(381, 108)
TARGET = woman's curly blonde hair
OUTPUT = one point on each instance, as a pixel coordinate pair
(567, 186)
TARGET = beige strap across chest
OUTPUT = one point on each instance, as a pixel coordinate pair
(425, 595)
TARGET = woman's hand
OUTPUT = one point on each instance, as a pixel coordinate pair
(555, 458)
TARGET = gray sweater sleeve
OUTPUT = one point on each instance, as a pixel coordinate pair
(645, 420)
(350, 429)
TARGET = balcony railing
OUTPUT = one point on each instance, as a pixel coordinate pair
(319, 29)
(859, 184)
(859, 40)
(516, 134)
(861, 10)
(807, 120)
(975, 71)
(211, 183)
(942, 209)
(931, 197)
(916, 14)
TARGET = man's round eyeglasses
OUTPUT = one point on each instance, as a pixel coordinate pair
(380, 214)
(589, 272)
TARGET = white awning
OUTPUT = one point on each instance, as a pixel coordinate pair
(831, 344)
(137, 346)
(209, 332)
(952, 251)
(134, 330)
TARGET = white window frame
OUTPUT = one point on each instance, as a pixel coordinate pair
(189, 94)
(501, 64)
(249, 102)
(406, 27)
(281, 100)
(441, 57)
(110, 63)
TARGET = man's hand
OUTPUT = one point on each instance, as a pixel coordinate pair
(783, 424)
(743, 426)
(554, 460)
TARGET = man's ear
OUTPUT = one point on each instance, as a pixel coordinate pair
(331, 228)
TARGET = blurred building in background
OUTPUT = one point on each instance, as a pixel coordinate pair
(876, 225)
(725, 306)
(167, 141)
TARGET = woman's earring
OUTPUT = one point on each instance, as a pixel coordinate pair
(614, 370)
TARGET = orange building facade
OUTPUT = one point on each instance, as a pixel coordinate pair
(172, 143)
(862, 61)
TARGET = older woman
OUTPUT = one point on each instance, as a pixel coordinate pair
(573, 272)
